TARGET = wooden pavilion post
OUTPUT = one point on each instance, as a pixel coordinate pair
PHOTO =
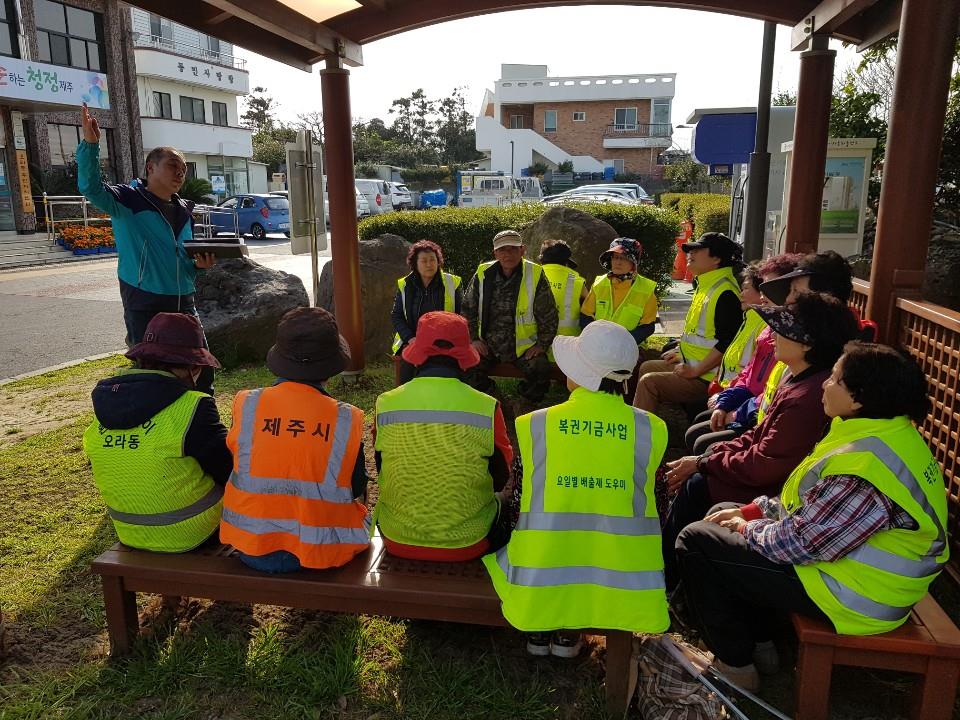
(345, 250)
(928, 32)
(809, 160)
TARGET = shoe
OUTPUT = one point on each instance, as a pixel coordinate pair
(746, 676)
(566, 645)
(538, 644)
(766, 659)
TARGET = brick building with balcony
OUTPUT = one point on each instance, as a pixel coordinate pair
(621, 122)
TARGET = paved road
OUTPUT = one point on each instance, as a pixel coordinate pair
(58, 313)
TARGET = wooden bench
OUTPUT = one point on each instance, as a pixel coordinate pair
(928, 644)
(499, 370)
(374, 583)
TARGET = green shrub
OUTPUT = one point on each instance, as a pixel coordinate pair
(465, 234)
(669, 201)
(709, 212)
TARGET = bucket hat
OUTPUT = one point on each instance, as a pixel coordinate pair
(603, 350)
(445, 334)
(784, 321)
(176, 339)
(309, 347)
(628, 247)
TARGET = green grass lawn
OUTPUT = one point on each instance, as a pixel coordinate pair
(229, 661)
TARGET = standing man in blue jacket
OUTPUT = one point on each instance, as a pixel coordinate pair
(150, 224)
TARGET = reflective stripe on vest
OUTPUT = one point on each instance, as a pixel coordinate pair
(525, 326)
(173, 516)
(741, 348)
(567, 296)
(574, 575)
(451, 417)
(307, 534)
(450, 284)
(778, 376)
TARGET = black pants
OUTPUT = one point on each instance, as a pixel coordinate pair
(407, 372)
(699, 436)
(734, 594)
(690, 505)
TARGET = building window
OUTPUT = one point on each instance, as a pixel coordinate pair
(219, 113)
(161, 31)
(63, 141)
(661, 116)
(191, 110)
(8, 32)
(549, 120)
(191, 170)
(617, 167)
(625, 119)
(579, 117)
(516, 122)
(161, 105)
(69, 36)
(210, 45)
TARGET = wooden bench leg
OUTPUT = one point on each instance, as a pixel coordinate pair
(814, 671)
(934, 696)
(619, 650)
(121, 609)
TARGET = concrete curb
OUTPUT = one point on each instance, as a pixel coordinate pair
(61, 366)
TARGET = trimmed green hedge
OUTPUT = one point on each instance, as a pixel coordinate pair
(465, 233)
(709, 212)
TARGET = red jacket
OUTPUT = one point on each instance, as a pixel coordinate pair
(759, 461)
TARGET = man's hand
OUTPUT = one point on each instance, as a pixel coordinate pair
(481, 347)
(679, 471)
(686, 371)
(204, 261)
(718, 419)
(671, 356)
(532, 352)
(722, 516)
(91, 128)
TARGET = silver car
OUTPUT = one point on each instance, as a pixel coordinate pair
(401, 196)
(377, 193)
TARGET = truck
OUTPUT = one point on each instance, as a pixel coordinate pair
(479, 188)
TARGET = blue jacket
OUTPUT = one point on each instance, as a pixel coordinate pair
(151, 252)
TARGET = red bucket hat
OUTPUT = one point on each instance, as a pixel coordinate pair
(445, 334)
(176, 339)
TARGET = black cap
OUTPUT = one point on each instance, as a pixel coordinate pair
(777, 290)
(718, 244)
(557, 253)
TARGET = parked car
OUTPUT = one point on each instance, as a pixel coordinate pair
(257, 215)
(363, 207)
(401, 196)
(377, 193)
(610, 198)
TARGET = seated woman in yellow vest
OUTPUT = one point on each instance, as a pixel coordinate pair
(569, 288)
(586, 549)
(622, 295)
(157, 446)
(855, 537)
(295, 497)
(442, 452)
(424, 289)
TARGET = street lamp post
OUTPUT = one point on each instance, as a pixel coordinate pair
(511, 158)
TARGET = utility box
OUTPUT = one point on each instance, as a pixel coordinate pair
(846, 184)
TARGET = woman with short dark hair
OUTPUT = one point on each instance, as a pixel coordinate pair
(855, 537)
(426, 288)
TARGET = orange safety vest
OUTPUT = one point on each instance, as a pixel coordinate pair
(294, 450)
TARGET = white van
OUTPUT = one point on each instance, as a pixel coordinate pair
(377, 193)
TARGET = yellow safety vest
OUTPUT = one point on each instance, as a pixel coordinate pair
(525, 325)
(450, 284)
(777, 377)
(158, 498)
(630, 311)
(567, 287)
(586, 551)
(741, 349)
(872, 589)
(435, 436)
(699, 329)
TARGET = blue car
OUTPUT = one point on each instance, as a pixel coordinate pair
(257, 215)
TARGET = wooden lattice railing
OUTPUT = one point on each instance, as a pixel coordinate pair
(931, 334)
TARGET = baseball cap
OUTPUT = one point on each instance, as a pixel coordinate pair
(507, 238)
(718, 244)
(603, 350)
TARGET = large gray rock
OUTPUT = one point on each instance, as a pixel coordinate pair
(240, 303)
(586, 235)
(382, 260)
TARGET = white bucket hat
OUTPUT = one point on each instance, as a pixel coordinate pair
(603, 350)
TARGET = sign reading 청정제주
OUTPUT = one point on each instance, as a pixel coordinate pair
(39, 82)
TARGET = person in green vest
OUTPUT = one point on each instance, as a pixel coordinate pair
(157, 446)
(684, 372)
(569, 288)
(424, 289)
(855, 537)
(623, 295)
(512, 317)
(585, 552)
(442, 453)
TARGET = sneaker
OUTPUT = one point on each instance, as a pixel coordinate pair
(746, 676)
(538, 644)
(566, 644)
(766, 659)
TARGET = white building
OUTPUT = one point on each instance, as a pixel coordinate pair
(188, 85)
(621, 122)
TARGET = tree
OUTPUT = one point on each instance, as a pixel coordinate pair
(270, 146)
(312, 121)
(260, 111)
(455, 137)
(784, 98)
(685, 175)
(412, 122)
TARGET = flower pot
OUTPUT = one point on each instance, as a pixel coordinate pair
(85, 251)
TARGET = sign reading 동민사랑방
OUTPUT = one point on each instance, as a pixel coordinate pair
(39, 82)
